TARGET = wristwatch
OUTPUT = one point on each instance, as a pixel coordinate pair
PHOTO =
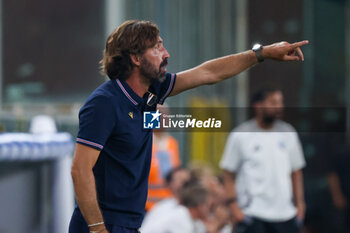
(257, 49)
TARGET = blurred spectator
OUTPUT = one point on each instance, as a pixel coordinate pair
(341, 181)
(262, 165)
(42, 124)
(327, 183)
(183, 219)
(317, 193)
(175, 180)
(165, 156)
(218, 218)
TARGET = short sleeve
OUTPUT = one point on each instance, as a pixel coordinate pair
(163, 89)
(97, 118)
(296, 153)
(231, 158)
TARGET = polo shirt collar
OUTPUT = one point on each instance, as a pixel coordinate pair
(129, 92)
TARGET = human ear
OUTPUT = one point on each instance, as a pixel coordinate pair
(135, 59)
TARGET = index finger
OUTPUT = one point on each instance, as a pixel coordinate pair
(299, 44)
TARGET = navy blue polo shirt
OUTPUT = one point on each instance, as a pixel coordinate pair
(112, 121)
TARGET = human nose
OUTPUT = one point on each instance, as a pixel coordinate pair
(166, 53)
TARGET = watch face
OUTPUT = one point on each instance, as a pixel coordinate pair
(256, 46)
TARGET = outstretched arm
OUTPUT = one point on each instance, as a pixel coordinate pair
(219, 69)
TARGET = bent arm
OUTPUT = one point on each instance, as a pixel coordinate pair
(219, 69)
(84, 184)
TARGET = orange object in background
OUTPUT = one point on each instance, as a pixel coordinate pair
(165, 157)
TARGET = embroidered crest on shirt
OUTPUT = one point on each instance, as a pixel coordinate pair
(256, 148)
(131, 114)
(282, 145)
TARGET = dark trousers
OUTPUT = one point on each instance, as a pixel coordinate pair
(254, 225)
(78, 225)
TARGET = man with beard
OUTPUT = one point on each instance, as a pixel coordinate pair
(113, 152)
(262, 165)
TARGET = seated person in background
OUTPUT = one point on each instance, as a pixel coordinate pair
(219, 218)
(174, 182)
(184, 218)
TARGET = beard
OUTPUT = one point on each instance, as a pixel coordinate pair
(269, 119)
(152, 73)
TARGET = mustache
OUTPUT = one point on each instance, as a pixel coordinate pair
(164, 63)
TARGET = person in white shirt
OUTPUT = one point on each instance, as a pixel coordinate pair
(174, 181)
(262, 163)
(185, 217)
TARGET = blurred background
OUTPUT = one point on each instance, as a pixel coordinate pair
(49, 54)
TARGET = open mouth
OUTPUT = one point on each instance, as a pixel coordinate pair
(164, 63)
(162, 70)
(162, 67)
